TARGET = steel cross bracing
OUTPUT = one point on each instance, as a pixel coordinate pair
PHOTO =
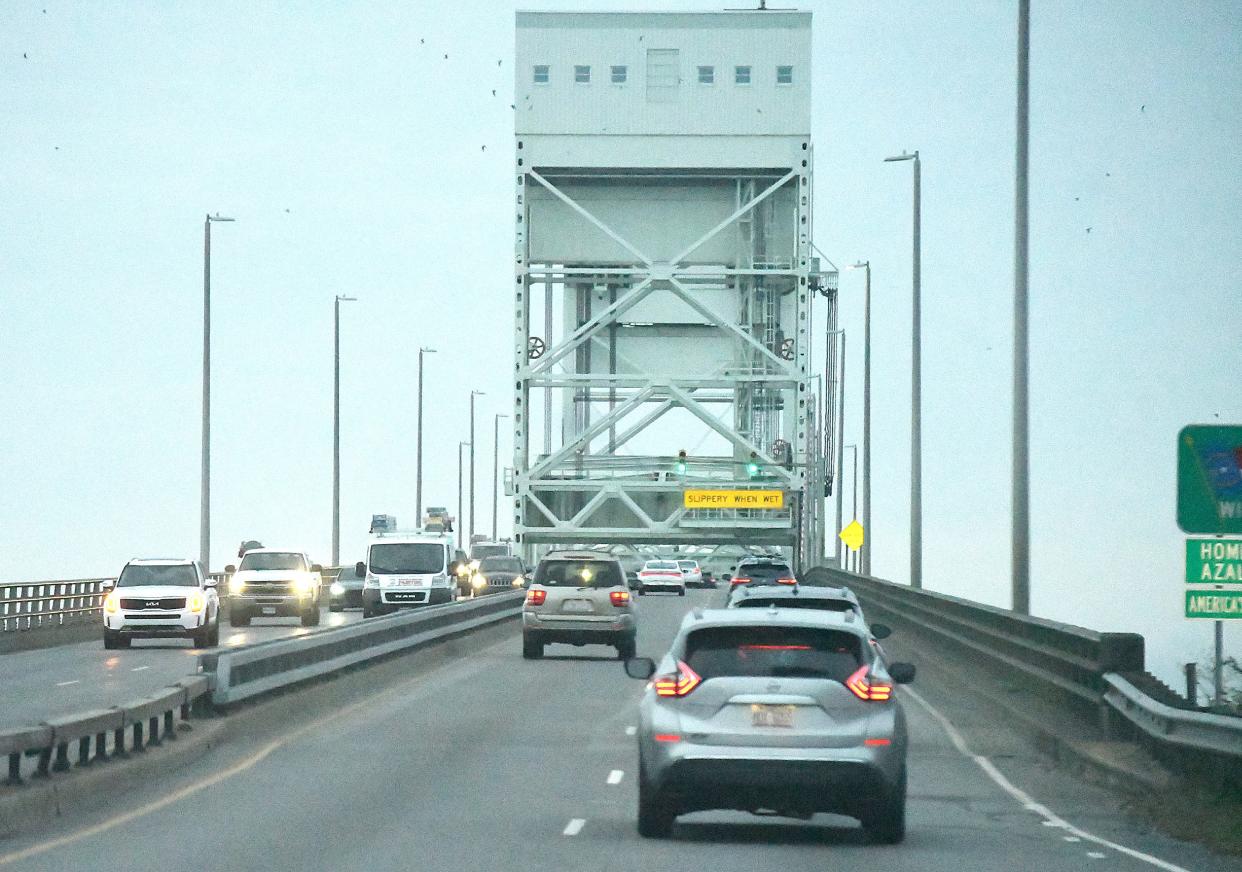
(584, 490)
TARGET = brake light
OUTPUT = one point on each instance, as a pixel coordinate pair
(536, 597)
(667, 737)
(871, 691)
(776, 647)
(787, 581)
(739, 579)
(678, 684)
(619, 597)
(877, 743)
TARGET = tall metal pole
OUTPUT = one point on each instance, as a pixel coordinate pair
(204, 509)
(496, 476)
(916, 380)
(1218, 671)
(460, 445)
(418, 451)
(470, 529)
(840, 477)
(865, 552)
(1021, 423)
(336, 427)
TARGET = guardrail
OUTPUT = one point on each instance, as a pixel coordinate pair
(149, 721)
(1062, 660)
(34, 605)
(30, 605)
(1080, 667)
(241, 673)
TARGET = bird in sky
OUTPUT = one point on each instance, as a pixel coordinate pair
(1075, 199)
(498, 62)
(422, 41)
(286, 210)
(493, 92)
(484, 148)
(24, 56)
(1088, 229)
(511, 106)
(1143, 108)
(446, 57)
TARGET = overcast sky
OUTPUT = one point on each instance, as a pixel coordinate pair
(350, 150)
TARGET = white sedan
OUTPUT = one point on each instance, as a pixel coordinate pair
(691, 573)
(662, 575)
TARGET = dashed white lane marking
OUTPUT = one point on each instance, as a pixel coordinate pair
(1071, 838)
(629, 731)
(574, 827)
(139, 668)
(615, 776)
(1050, 819)
(67, 683)
(1095, 855)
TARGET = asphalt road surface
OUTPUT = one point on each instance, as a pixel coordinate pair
(48, 682)
(492, 762)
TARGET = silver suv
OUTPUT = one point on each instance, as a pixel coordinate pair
(772, 711)
(581, 598)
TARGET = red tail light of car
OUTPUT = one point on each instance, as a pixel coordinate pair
(787, 581)
(619, 597)
(679, 683)
(865, 689)
(536, 597)
(739, 579)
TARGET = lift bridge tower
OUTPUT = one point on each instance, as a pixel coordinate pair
(664, 279)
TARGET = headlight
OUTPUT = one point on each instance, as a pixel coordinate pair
(337, 589)
(479, 580)
(196, 601)
(236, 585)
(463, 569)
(304, 584)
(112, 603)
(474, 565)
(519, 581)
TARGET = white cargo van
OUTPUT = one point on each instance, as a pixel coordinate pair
(407, 569)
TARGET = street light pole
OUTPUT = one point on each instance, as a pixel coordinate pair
(496, 475)
(473, 394)
(418, 451)
(840, 474)
(916, 382)
(460, 445)
(854, 482)
(865, 553)
(204, 509)
(336, 426)
(1021, 583)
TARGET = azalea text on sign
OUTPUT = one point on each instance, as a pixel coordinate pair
(1213, 561)
(734, 499)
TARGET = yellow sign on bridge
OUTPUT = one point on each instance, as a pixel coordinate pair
(734, 499)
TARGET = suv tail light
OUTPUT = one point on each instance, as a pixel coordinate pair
(740, 579)
(864, 689)
(536, 597)
(787, 581)
(619, 597)
(679, 683)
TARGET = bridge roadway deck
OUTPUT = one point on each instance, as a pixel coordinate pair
(493, 762)
(48, 682)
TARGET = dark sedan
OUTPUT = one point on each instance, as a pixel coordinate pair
(346, 591)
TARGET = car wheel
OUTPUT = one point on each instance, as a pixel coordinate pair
(681, 592)
(655, 816)
(885, 824)
(199, 638)
(642, 592)
(111, 639)
(532, 648)
(311, 618)
(239, 618)
(213, 637)
(626, 649)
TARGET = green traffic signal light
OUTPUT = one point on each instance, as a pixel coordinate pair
(681, 462)
(753, 469)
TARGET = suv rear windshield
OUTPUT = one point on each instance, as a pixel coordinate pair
(500, 564)
(764, 571)
(660, 564)
(272, 560)
(480, 551)
(578, 573)
(773, 652)
(181, 575)
(687, 564)
(795, 602)
(406, 558)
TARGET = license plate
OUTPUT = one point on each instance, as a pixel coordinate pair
(772, 715)
(577, 605)
(269, 610)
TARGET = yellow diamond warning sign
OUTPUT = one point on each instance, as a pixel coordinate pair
(734, 499)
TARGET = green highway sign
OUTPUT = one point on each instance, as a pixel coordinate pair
(1214, 604)
(1213, 561)
(1209, 480)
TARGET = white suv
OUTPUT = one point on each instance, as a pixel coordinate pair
(579, 598)
(153, 599)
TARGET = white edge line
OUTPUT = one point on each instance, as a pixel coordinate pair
(629, 731)
(615, 776)
(1028, 803)
(67, 683)
(574, 827)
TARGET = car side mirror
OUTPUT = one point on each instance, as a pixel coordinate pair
(640, 667)
(210, 582)
(901, 673)
(315, 567)
(230, 569)
(881, 631)
(360, 569)
(107, 584)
